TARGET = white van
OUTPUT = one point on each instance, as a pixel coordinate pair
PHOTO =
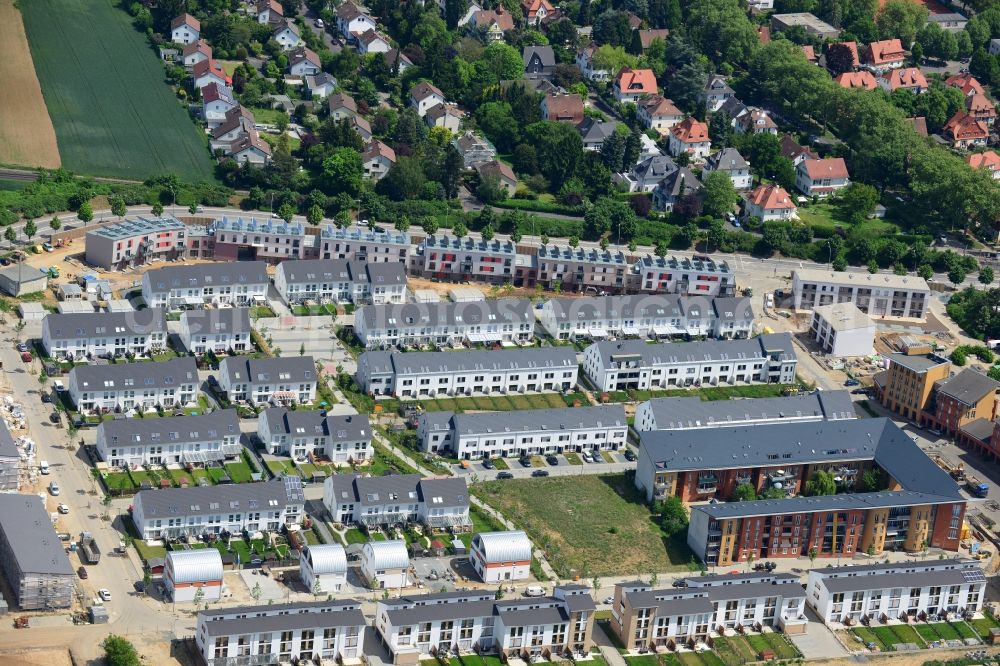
(534, 591)
(43, 467)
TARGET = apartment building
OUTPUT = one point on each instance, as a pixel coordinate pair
(376, 246)
(450, 258)
(238, 239)
(644, 618)
(503, 321)
(222, 331)
(922, 589)
(429, 374)
(280, 381)
(139, 386)
(908, 382)
(959, 400)
(32, 558)
(340, 281)
(135, 242)
(698, 276)
(240, 283)
(535, 431)
(81, 335)
(416, 627)
(252, 507)
(634, 364)
(693, 413)
(132, 443)
(324, 630)
(314, 434)
(646, 315)
(841, 330)
(878, 295)
(403, 498)
(583, 269)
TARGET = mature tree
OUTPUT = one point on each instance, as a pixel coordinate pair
(719, 196)
(559, 149)
(858, 201)
(454, 10)
(917, 54)
(85, 212)
(743, 492)
(722, 30)
(459, 230)
(937, 43)
(405, 179)
(821, 483)
(497, 121)
(491, 190)
(613, 151)
(612, 216)
(665, 13)
(673, 516)
(839, 59)
(342, 171)
(10, 236)
(451, 172)
(985, 275)
(503, 62)
(286, 212)
(118, 207)
(612, 58)
(633, 148)
(30, 229)
(720, 129)
(925, 271)
(872, 480)
(314, 215)
(957, 275)
(612, 28)
(156, 209)
(902, 19)
(119, 652)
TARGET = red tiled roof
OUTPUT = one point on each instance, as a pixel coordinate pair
(303, 53)
(498, 169)
(641, 81)
(967, 83)
(646, 37)
(832, 167)
(988, 160)
(770, 197)
(919, 124)
(211, 67)
(906, 77)
(186, 19)
(810, 52)
(213, 92)
(964, 127)
(273, 5)
(690, 130)
(378, 149)
(980, 105)
(487, 17)
(200, 46)
(658, 105)
(885, 51)
(863, 80)
(531, 7)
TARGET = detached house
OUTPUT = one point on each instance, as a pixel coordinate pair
(424, 95)
(250, 149)
(195, 52)
(884, 55)
(647, 37)
(585, 61)
(769, 202)
(372, 41)
(539, 61)
(967, 83)
(502, 172)
(989, 161)
(377, 159)
(964, 131)
(185, 29)
(658, 113)
(678, 184)
(474, 149)
(689, 136)
(563, 108)
(755, 121)
(821, 177)
(982, 109)
(352, 21)
(536, 11)
(279, 381)
(631, 84)
(81, 335)
(595, 132)
(222, 331)
(238, 122)
(794, 152)
(217, 102)
(303, 62)
(287, 35)
(717, 91)
(448, 116)
(864, 80)
(342, 106)
(494, 24)
(905, 78)
(209, 71)
(647, 174)
(730, 162)
(269, 12)
(321, 85)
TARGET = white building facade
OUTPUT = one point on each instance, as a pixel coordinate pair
(879, 295)
(340, 281)
(841, 329)
(280, 381)
(501, 556)
(221, 331)
(240, 283)
(323, 568)
(305, 435)
(139, 386)
(132, 443)
(385, 564)
(84, 334)
(506, 320)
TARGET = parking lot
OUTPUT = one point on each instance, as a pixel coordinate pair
(542, 466)
(312, 336)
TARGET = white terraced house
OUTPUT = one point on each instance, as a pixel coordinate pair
(388, 500)
(139, 386)
(647, 315)
(232, 283)
(252, 507)
(280, 381)
(340, 281)
(303, 434)
(901, 591)
(505, 320)
(217, 331)
(331, 631)
(83, 334)
(633, 364)
(429, 374)
(533, 432)
(416, 627)
(695, 277)
(131, 443)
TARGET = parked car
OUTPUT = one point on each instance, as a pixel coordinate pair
(552, 460)
(82, 573)
(319, 23)
(680, 582)
(852, 382)
(540, 472)
(609, 600)
(586, 456)
(63, 509)
(54, 488)
(504, 475)
(104, 593)
(26, 356)
(59, 386)
(488, 464)
(46, 397)
(525, 461)
(23, 347)
(48, 247)
(630, 455)
(859, 391)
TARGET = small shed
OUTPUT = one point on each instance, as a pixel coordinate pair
(119, 305)
(501, 556)
(384, 564)
(465, 295)
(19, 279)
(187, 571)
(74, 307)
(426, 296)
(98, 614)
(31, 311)
(458, 546)
(325, 565)
(69, 292)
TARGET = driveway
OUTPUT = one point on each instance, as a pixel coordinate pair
(562, 469)
(818, 641)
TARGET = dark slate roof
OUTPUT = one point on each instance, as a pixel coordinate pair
(174, 372)
(594, 130)
(212, 426)
(569, 418)
(689, 412)
(271, 495)
(8, 449)
(77, 325)
(376, 490)
(678, 181)
(217, 320)
(728, 159)
(968, 386)
(981, 429)
(282, 617)
(654, 167)
(844, 502)
(545, 55)
(704, 350)
(424, 362)
(207, 275)
(28, 531)
(503, 310)
(267, 370)
(341, 428)
(900, 574)
(306, 271)
(918, 362)
(646, 305)
(732, 308)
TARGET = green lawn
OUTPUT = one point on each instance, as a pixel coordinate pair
(578, 520)
(105, 92)
(267, 116)
(573, 459)
(705, 393)
(983, 626)
(285, 467)
(502, 403)
(147, 552)
(354, 535)
(239, 472)
(500, 463)
(116, 481)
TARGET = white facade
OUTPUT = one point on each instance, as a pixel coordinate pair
(185, 31)
(81, 335)
(304, 435)
(238, 283)
(507, 320)
(185, 572)
(841, 329)
(132, 443)
(878, 295)
(287, 36)
(695, 277)
(340, 281)
(584, 60)
(323, 568)
(397, 499)
(896, 591)
(218, 331)
(284, 380)
(385, 564)
(501, 556)
(138, 386)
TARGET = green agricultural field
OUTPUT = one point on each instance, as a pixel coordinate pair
(104, 87)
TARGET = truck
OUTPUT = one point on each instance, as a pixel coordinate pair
(89, 550)
(976, 487)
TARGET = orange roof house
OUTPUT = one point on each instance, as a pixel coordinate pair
(982, 108)
(885, 54)
(689, 136)
(863, 80)
(967, 83)
(964, 131)
(909, 78)
(536, 11)
(631, 84)
(769, 202)
(989, 161)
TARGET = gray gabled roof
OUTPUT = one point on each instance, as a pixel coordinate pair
(85, 325)
(500, 311)
(217, 320)
(212, 426)
(591, 308)
(727, 159)
(137, 376)
(594, 130)
(680, 181)
(240, 369)
(919, 363)
(339, 428)
(968, 386)
(216, 274)
(8, 448)
(405, 488)
(503, 359)
(282, 617)
(545, 54)
(308, 271)
(692, 352)
(900, 574)
(28, 531)
(557, 420)
(272, 495)
(690, 412)
(654, 167)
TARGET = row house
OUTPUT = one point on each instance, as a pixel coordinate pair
(644, 618)
(878, 295)
(240, 283)
(36, 569)
(217, 101)
(695, 276)
(908, 591)
(79, 335)
(693, 413)
(635, 364)
(315, 434)
(500, 321)
(401, 498)
(268, 240)
(361, 244)
(821, 178)
(216, 331)
(534, 432)
(280, 381)
(135, 242)
(327, 631)
(658, 113)
(583, 269)
(415, 628)
(431, 374)
(451, 258)
(648, 315)
(340, 281)
(170, 513)
(134, 386)
(185, 440)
